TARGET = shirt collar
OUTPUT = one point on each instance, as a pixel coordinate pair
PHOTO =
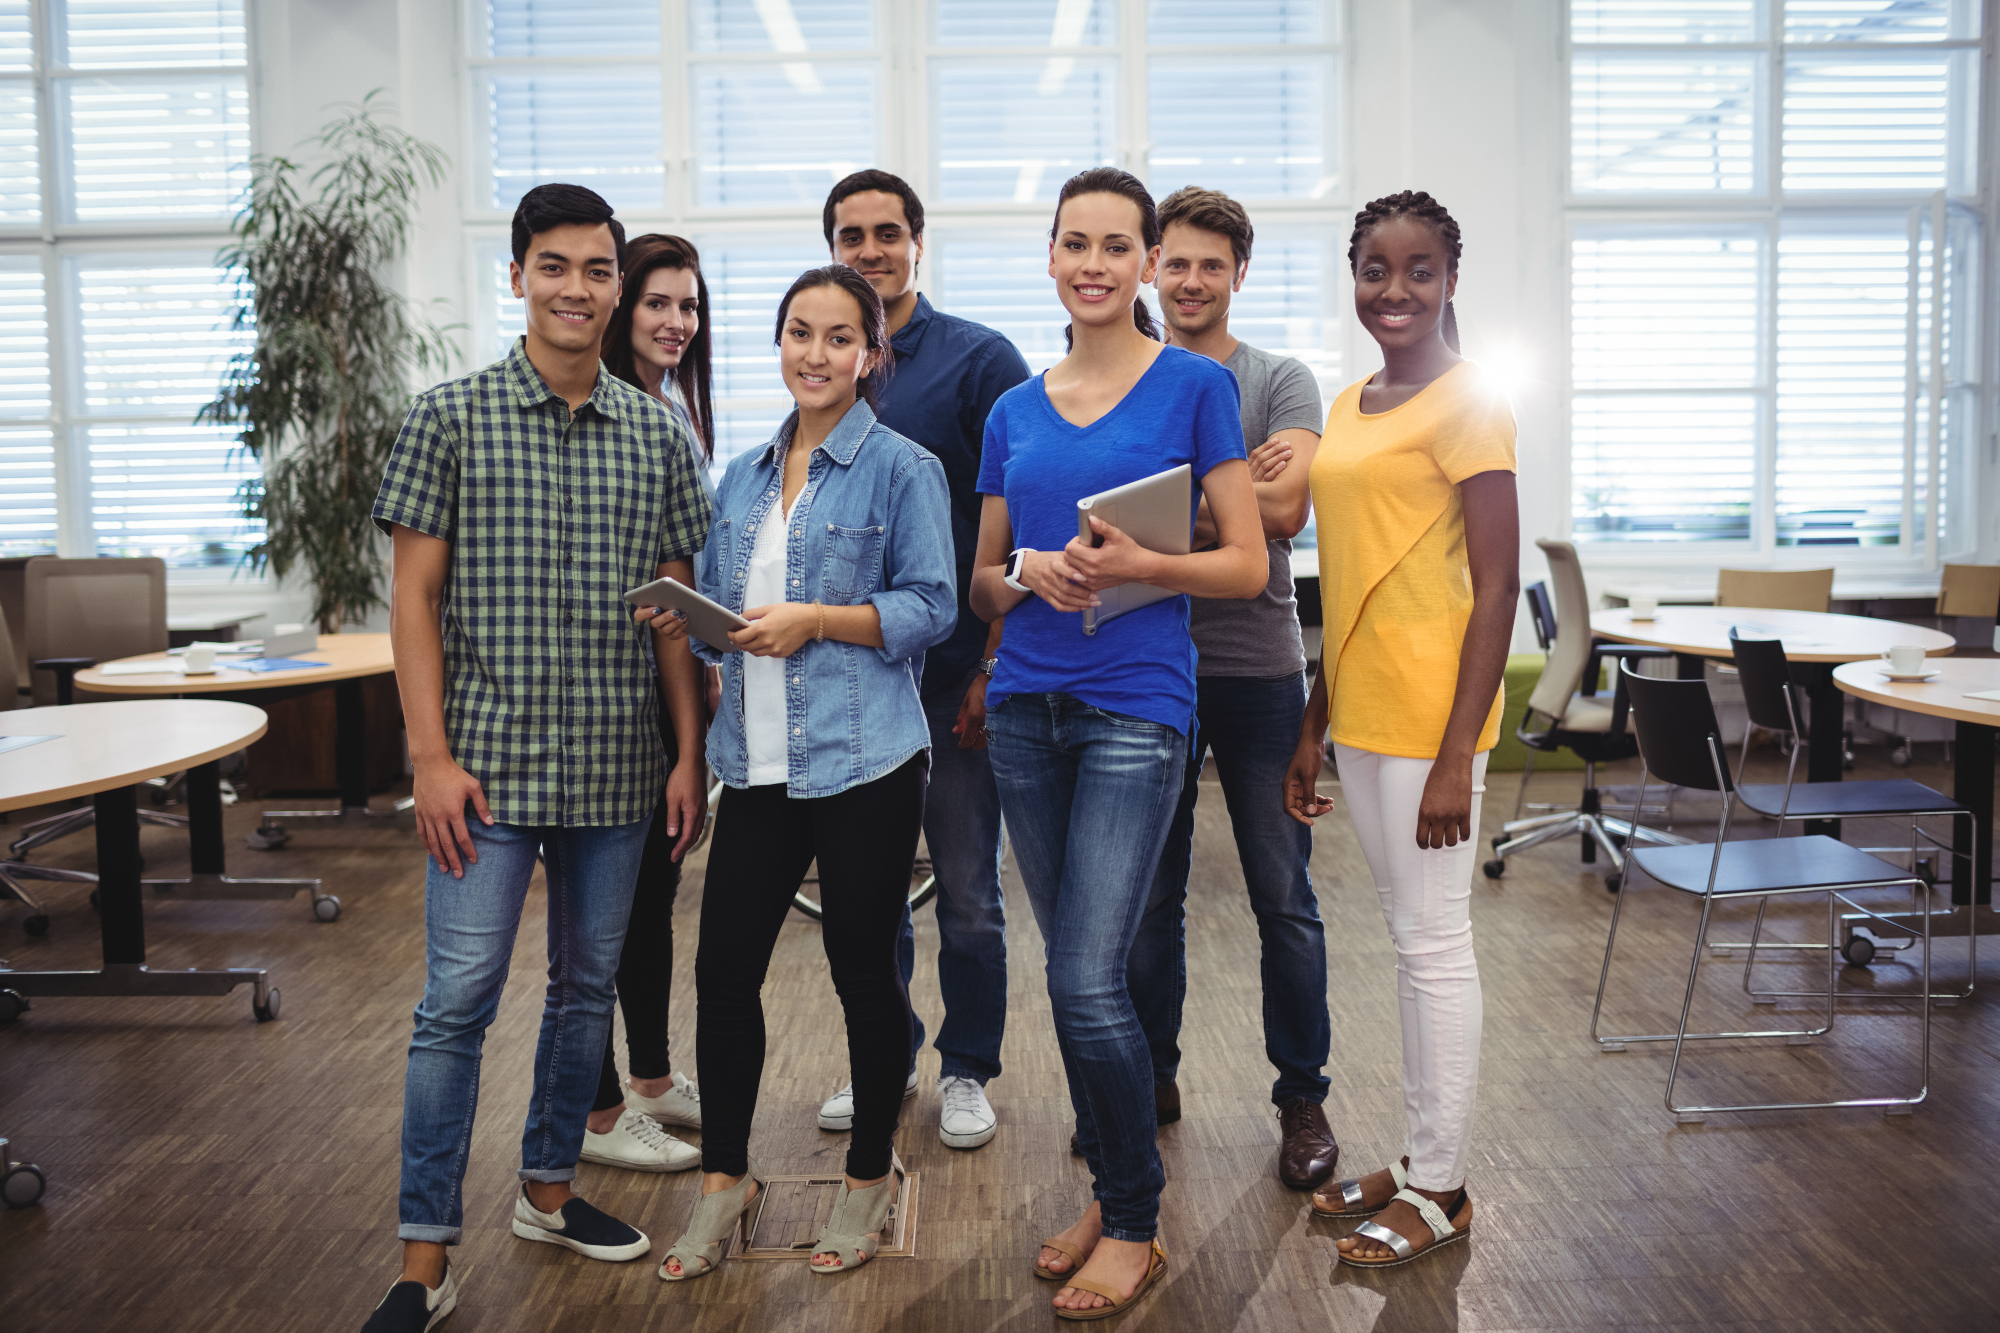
(841, 446)
(531, 390)
(906, 340)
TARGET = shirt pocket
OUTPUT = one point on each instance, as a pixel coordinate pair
(853, 562)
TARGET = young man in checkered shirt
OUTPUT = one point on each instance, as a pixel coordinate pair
(522, 501)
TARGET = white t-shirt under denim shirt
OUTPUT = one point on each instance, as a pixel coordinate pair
(764, 677)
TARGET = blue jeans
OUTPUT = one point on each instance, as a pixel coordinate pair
(962, 830)
(469, 927)
(1252, 725)
(1062, 767)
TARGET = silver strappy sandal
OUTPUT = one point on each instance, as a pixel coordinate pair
(1443, 1232)
(1350, 1195)
(715, 1219)
(854, 1232)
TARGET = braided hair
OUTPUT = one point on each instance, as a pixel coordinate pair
(1418, 205)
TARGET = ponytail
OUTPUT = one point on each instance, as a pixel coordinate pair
(1450, 327)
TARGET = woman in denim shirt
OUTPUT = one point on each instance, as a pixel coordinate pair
(834, 541)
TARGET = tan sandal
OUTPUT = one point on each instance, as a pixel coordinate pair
(1443, 1231)
(1155, 1270)
(1077, 1259)
(1350, 1195)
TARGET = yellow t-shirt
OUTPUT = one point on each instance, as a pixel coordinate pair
(1395, 589)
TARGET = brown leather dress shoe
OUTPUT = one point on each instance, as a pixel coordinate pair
(1166, 1110)
(1308, 1155)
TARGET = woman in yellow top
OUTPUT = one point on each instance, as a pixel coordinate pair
(1418, 555)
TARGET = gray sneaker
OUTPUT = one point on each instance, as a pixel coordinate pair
(637, 1143)
(679, 1105)
(837, 1112)
(965, 1117)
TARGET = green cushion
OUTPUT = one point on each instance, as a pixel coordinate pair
(1524, 671)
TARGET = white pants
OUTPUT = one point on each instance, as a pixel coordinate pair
(1427, 900)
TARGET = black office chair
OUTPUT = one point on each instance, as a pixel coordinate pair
(1565, 713)
(1768, 693)
(1681, 743)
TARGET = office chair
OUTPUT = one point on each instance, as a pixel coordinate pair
(1681, 743)
(81, 612)
(12, 873)
(1565, 712)
(1768, 693)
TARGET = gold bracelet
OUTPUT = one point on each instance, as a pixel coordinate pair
(821, 636)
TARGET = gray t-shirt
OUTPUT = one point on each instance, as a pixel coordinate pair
(1260, 637)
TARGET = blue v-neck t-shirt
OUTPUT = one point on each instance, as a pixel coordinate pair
(1184, 409)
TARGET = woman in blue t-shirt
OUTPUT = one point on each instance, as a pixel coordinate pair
(1089, 734)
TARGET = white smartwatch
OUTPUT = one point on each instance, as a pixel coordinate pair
(1012, 578)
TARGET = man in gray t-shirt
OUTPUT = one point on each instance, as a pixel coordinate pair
(1251, 696)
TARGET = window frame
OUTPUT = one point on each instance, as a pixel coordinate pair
(907, 53)
(57, 243)
(1769, 208)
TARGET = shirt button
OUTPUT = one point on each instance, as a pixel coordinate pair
(795, 583)
(569, 680)
(569, 499)
(568, 618)
(797, 730)
(796, 680)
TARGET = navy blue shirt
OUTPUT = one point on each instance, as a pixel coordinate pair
(949, 373)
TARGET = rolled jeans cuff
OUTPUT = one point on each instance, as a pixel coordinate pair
(1120, 1233)
(435, 1235)
(549, 1176)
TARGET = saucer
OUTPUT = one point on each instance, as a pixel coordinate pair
(1912, 679)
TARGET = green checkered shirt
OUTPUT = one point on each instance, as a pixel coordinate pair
(550, 695)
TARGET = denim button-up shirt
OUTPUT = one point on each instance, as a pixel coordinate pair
(872, 526)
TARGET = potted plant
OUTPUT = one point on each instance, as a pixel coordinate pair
(321, 392)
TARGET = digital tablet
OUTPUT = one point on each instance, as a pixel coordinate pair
(1158, 513)
(711, 622)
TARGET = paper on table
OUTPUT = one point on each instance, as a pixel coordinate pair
(170, 667)
(22, 742)
(1989, 696)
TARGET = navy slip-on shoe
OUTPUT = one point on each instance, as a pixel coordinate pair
(589, 1231)
(411, 1307)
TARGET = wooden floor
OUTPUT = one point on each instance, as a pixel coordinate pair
(208, 1172)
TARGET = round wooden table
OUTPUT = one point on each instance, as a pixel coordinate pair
(1814, 644)
(349, 658)
(103, 751)
(1972, 772)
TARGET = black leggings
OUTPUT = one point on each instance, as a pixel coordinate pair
(866, 841)
(646, 963)
(646, 966)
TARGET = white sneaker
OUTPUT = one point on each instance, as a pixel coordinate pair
(679, 1105)
(837, 1112)
(637, 1143)
(965, 1118)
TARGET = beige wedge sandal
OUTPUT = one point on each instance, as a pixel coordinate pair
(1156, 1268)
(854, 1232)
(716, 1217)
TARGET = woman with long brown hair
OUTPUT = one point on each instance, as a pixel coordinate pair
(658, 340)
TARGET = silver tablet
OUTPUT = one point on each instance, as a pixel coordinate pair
(1156, 512)
(708, 621)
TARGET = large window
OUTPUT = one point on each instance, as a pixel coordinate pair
(731, 128)
(1771, 202)
(124, 146)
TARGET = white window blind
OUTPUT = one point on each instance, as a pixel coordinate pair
(1055, 23)
(599, 128)
(1745, 344)
(149, 125)
(1246, 22)
(574, 28)
(782, 26)
(1012, 131)
(1661, 327)
(154, 336)
(1254, 128)
(1646, 123)
(747, 130)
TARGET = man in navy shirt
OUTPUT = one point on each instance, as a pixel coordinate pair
(947, 376)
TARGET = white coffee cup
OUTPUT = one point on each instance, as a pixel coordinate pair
(1906, 659)
(1643, 605)
(198, 661)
